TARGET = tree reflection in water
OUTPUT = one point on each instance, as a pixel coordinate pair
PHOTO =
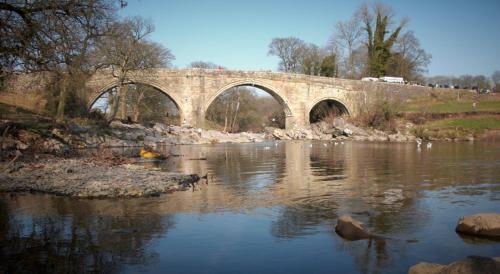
(86, 239)
(303, 219)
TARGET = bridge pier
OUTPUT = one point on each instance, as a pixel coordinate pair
(290, 122)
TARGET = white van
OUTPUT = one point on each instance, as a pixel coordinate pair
(390, 79)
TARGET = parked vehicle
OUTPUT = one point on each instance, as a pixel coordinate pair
(390, 79)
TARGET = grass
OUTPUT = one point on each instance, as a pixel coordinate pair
(460, 127)
(455, 106)
(448, 103)
(470, 123)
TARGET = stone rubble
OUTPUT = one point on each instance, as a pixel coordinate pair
(338, 130)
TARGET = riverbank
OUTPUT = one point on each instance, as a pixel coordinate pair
(430, 118)
(61, 140)
(90, 178)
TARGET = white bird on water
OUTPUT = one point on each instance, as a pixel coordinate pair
(429, 145)
(336, 143)
(419, 142)
(324, 144)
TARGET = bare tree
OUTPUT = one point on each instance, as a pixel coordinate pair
(126, 51)
(347, 35)
(495, 77)
(53, 36)
(33, 32)
(409, 59)
(204, 65)
(290, 52)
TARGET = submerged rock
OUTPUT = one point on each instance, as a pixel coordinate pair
(351, 229)
(483, 224)
(469, 265)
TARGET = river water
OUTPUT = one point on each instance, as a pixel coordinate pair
(268, 208)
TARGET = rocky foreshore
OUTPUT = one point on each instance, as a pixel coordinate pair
(84, 178)
(118, 134)
(469, 265)
(339, 129)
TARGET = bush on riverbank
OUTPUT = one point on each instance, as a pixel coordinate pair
(382, 115)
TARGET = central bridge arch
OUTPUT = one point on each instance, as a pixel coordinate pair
(253, 83)
(273, 91)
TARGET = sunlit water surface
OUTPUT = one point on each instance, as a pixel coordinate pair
(267, 208)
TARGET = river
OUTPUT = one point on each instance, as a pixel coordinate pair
(268, 208)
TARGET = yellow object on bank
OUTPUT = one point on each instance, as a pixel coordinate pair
(148, 154)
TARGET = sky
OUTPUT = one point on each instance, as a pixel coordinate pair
(462, 36)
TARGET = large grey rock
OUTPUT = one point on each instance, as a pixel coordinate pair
(482, 224)
(351, 229)
(469, 265)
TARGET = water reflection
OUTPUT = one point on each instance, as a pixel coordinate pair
(289, 192)
(46, 234)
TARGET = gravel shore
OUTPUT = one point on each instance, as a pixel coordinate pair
(83, 178)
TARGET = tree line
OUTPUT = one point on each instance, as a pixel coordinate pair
(373, 42)
(467, 81)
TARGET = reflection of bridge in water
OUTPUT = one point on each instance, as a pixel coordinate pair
(254, 175)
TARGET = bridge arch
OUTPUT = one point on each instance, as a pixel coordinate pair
(275, 93)
(111, 84)
(338, 103)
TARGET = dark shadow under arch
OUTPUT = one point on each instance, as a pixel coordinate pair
(327, 108)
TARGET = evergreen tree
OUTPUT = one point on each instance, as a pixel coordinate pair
(329, 66)
(378, 44)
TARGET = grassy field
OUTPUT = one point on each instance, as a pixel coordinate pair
(463, 123)
(474, 124)
(458, 127)
(457, 106)
(449, 103)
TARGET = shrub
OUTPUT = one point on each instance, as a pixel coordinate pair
(381, 115)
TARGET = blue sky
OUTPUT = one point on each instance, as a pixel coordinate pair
(462, 36)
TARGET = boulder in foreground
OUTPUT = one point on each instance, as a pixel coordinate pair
(351, 229)
(483, 225)
(469, 265)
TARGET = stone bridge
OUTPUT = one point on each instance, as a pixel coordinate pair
(193, 90)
